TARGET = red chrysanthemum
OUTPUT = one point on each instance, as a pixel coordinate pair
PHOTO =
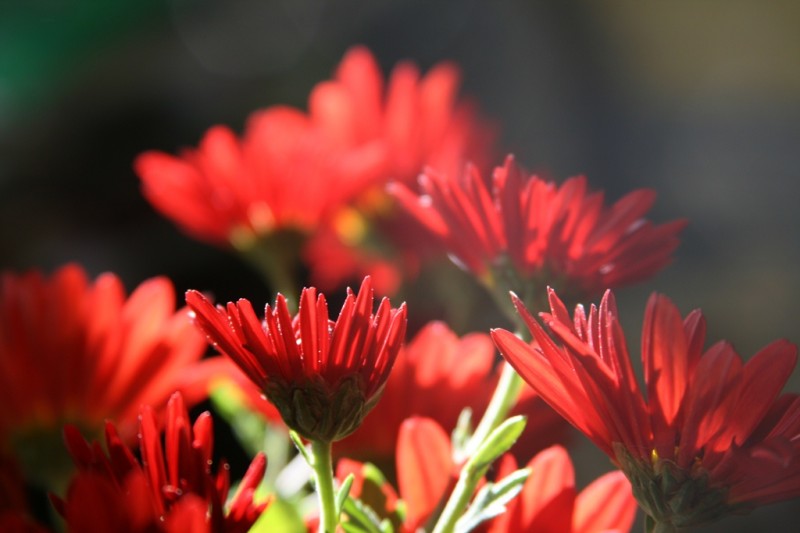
(426, 474)
(713, 435)
(79, 352)
(173, 489)
(549, 502)
(284, 174)
(529, 230)
(322, 375)
(437, 375)
(419, 119)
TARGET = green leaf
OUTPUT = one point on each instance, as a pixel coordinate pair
(491, 500)
(496, 444)
(360, 516)
(386, 526)
(343, 492)
(298, 442)
(373, 473)
(249, 426)
(463, 431)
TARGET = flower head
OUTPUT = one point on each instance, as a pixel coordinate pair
(172, 489)
(419, 119)
(322, 375)
(284, 174)
(713, 436)
(549, 502)
(526, 229)
(79, 352)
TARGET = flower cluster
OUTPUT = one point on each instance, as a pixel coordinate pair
(79, 352)
(329, 193)
(172, 489)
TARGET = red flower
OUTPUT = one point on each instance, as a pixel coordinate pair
(173, 488)
(554, 235)
(323, 376)
(549, 502)
(426, 475)
(419, 119)
(714, 436)
(437, 375)
(74, 351)
(283, 174)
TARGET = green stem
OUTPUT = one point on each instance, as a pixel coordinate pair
(503, 399)
(323, 474)
(457, 502)
(277, 258)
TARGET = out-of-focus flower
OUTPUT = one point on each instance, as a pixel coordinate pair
(334, 256)
(713, 436)
(419, 119)
(322, 375)
(426, 474)
(284, 174)
(549, 502)
(79, 352)
(173, 489)
(437, 375)
(526, 230)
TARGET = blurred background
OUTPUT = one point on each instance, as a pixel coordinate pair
(699, 100)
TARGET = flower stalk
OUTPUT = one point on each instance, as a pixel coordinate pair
(322, 464)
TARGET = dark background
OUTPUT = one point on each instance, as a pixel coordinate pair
(699, 100)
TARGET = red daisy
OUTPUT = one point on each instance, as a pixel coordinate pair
(419, 119)
(284, 174)
(529, 230)
(322, 375)
(713, 436)
(173, 488)
(79, 352)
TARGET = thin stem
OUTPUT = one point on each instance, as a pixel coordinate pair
(503, 399)
(457, 502)
(277, 258)
(508, 387)
(323, 474)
